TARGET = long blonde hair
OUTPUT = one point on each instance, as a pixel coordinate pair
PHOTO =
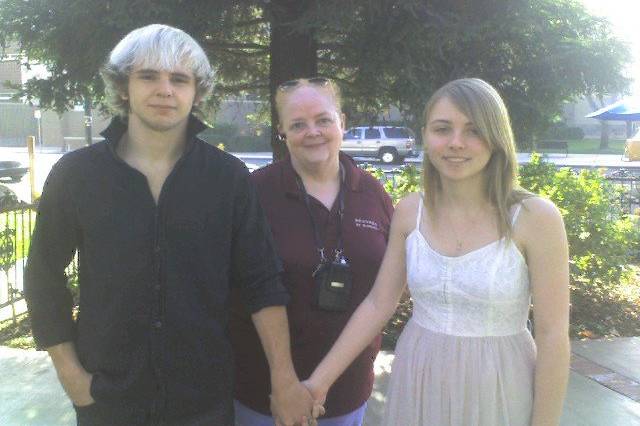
(482, 104)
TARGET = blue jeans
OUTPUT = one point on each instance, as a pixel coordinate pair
(245, 416)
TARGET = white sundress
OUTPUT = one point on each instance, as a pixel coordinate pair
(466, 357)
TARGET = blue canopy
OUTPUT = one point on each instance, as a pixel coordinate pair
(624, 110)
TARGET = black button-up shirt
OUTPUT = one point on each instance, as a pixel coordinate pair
(154, 279)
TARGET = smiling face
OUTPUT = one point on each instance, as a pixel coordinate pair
(453, 143)
(160, 100)
(313, 127)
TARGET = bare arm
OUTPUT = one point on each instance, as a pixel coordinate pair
(291, 402)
(75, 380)
(376, 309)
(548, 261)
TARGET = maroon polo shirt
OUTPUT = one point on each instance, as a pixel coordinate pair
(365, 230)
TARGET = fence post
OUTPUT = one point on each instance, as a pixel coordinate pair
(31, 141)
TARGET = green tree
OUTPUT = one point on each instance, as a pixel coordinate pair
(539, 53)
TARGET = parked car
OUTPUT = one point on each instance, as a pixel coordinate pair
(388, 143)
(8, 198)
(12, 171)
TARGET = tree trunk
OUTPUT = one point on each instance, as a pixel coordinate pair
(604, 125)
(293, 54)
(604, 134)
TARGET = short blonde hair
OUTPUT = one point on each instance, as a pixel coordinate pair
(482, 104)
(283, 91)
(154, 46)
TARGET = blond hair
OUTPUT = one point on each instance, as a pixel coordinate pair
(482, 104)
(153, 46)
(329, 88)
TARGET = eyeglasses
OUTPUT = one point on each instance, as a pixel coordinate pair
(315, 81)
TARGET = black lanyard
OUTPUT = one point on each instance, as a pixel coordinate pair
(316, 234)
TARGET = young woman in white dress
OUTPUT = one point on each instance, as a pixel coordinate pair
(475, 251)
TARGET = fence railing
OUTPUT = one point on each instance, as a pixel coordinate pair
(630, 197)
(16, 225)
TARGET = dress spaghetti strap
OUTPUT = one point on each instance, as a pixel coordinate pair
(419, 216)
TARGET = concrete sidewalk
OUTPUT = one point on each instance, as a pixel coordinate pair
(604, 387)
(30, 391)
(604, 384)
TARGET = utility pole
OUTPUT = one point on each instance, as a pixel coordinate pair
(38, 116)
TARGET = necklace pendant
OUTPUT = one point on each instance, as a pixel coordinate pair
(458, 245)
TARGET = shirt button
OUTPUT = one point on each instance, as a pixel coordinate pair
(157, 324)
(157, 249)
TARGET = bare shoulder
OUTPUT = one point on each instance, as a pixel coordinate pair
(406, 212)
(539, 216)
(538, 208)
(408, 205)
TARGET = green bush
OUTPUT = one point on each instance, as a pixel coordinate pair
(400, 184)
(604, 243)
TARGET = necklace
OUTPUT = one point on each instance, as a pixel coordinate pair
(459, 242)
(459, 239)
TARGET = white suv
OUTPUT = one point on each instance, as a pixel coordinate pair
(390, 144)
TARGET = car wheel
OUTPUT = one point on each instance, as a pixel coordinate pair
(388, 155)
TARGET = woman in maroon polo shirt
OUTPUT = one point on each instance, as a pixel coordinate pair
(330, 221)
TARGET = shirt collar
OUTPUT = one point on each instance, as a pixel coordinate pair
(353, 179)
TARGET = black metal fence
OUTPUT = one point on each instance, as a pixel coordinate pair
(16, 225)
(630, 182)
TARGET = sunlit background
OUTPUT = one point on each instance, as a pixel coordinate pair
(624, 16)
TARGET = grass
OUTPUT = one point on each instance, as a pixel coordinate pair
(592, 146)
